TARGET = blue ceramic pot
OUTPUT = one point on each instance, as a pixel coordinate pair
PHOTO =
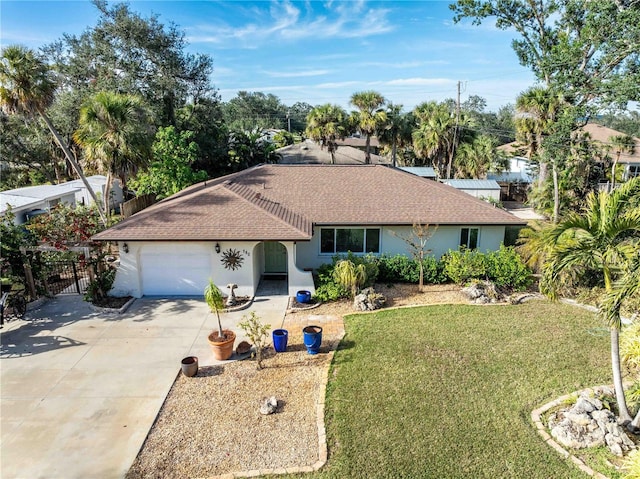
(303, 296)
(312, 336)
(280, 338)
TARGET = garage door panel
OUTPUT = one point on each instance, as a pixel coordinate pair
(175, 274)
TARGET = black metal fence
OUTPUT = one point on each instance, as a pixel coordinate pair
(52, 275)
(65, 277)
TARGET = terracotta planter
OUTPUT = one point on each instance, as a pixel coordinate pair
(222, 349)
(190, 366)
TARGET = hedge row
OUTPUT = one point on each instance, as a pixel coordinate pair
(504, 267)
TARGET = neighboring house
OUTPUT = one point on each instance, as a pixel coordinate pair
(516, 180)
(598, 134)
(31, 201)
(269, 135)
(630, 161)
(288, 220)
(423, 171)
(34, 200)
(360, 142)
(483, 189)
(98, 184)
(309, 152)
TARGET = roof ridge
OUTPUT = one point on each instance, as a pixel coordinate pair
(273, 208)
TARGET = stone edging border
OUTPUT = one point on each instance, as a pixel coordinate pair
(542, 430)
(292, 309)
(119, 310)
(323, 452)
(241, 307)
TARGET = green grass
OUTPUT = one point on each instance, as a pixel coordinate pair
(447, 391)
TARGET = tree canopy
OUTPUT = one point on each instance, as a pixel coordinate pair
(589, 50)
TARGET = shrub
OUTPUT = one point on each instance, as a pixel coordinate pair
(330, 292)
(398, 269)
(464, 265)
(328, 287)
(403, 269)
(506, 268)
(99, 288)
(433, 271)
(631, 466)
(630, 345)
(369, 261)
(257, 333)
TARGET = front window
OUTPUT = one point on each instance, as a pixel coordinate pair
(634, 171)
(469, 237)
(344, 240)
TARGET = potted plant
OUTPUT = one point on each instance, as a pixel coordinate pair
(257, 334)
(222, 340)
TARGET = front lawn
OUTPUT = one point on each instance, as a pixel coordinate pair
(447, 391)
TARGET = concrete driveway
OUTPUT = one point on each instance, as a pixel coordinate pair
(80, 389)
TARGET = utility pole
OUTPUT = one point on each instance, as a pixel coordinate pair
(458, 106)
(289, 121)
(455, 133)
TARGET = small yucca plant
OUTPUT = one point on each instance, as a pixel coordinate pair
(350, 276)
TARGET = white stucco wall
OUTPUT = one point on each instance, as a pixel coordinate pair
(130, 276)
(258, 262)
(443, 239)
(298, 278)
(302, 257)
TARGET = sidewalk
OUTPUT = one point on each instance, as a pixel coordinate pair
(80, 389)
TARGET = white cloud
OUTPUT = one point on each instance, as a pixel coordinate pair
(342, 84)
(297, 74)
(286, 22)
(407, 64)
(420, 81)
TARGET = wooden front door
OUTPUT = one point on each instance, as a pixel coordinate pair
(275, 258)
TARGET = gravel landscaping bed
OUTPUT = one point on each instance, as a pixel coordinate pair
(210, 424)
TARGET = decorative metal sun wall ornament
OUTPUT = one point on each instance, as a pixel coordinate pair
(232, 259)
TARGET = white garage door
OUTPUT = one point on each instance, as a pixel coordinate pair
(173, 273)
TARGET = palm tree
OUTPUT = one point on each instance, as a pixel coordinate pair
(327, 123)
(369, 117)
(115, 135)
(26, 86)
(475, 159)
(602, 239)
(620, 144)
(436, 135)
(395, 131)
(537, 110)
(627, 286)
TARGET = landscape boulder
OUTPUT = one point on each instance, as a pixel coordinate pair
(368, 300)
(588, 424)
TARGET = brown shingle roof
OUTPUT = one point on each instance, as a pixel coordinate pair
(598, 134)
(283, 202)
(309, 152)
(603, 134)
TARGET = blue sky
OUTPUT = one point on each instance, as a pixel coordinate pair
(313, 51)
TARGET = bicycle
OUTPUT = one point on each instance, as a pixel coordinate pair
(13, 304)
